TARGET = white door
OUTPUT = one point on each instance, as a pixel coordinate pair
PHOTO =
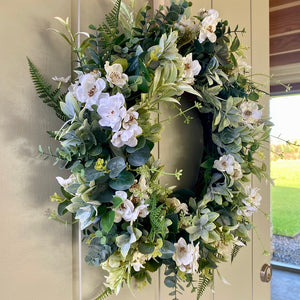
(38, 258)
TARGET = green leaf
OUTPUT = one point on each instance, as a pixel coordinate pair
(146, 248)
(141, 143)
(217, 118)
(172, 16)
(116, 165)
(253, 96)
(123, 182)
(70, 107)
(92, 174)
(170, 281)
(95, 151)
(139, 157)
(117, 201)
(152, 265)
(72, 189)
(107, 221)
(235, 44)
(167, 250)
(61, 209)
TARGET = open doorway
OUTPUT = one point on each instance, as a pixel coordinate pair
(285, 196)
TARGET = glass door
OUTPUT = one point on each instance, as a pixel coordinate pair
(285, 197)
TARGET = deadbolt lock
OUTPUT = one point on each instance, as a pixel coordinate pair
(266, 273)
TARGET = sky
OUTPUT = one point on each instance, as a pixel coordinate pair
(285, 114)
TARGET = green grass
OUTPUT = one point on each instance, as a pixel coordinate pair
(285, 197)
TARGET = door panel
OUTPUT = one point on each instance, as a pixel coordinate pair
(239, 273)
(35, 258)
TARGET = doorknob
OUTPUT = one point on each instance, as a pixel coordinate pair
(266, 273)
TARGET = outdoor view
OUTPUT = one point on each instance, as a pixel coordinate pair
(285, 170)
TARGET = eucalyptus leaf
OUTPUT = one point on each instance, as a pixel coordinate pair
(116, 165)
(146, 248)
(92, 174)
(123, 182)
(167, 250)
(139, 157)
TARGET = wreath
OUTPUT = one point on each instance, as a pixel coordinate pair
(126, 69)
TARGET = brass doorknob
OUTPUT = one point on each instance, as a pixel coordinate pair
(266, 273)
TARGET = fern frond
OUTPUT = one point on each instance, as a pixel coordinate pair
(235, 251)
(50, 96)
(107, 292)
(112, 18)
(202, 284)
(157, 219)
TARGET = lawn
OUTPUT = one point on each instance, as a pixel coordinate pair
(285, 197)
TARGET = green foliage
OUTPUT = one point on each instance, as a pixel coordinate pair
(105, 294)
(202, 284)
(157, 219)
(50, 96)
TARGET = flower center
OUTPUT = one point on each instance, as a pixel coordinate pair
(248, 113)
(210, 29)
(92, 91)
(187, 66)
(115, 76)
(224, 164)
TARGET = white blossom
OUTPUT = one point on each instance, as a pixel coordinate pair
(208, 28)
(191, 68)
(190, 25)
(139, 259)
(250, 112)
(89, 88)
(115, 75)
(174, 202)
(61, 79)
(225, 164)
(186, 256)
(203, 13)
(251, 203)
(126, 137)
(130, 118)
(111, 110)
(142, 210)
(125, 210)
(237, 171)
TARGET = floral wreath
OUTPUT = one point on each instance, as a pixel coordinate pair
(126, 68)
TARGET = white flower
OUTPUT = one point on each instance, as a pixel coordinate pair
(112, 111)
(191, 25)
(252, 202)
(125, 211)
(130, 118)
(208, 28)
(142, 210)
(191, 68)
(237, 171)
(250, 112)
(225, 164)
(126, 137)
(186, 256)
(66, 182)
(139, 259)
(174, 202)
(203, 13)
(61, 79)
(89, 89)
(115, 75)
